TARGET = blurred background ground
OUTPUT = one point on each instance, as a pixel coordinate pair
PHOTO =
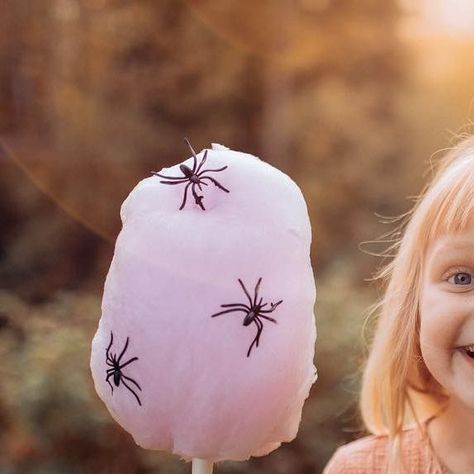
(351, 98)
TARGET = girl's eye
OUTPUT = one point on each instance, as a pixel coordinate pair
(461, 278)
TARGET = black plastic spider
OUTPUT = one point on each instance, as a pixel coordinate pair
(116, 368)
(194, 177)
(253, 313)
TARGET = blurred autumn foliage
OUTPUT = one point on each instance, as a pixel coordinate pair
(94, 94)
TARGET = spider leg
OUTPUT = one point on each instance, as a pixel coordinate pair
(263, 305)
(273, 307)
(123, 351)
(111, 359)
(219, 169)
(251, 345)
(174, 182)
(185, 193)
(108, 381)
(257, 286)
(108, 371)
(131, 390)
(131, 380)
(199, 185)
(228, 311)
(216, 183)
(194, 154)
(110, 344)
(128, 362)
(257, 337)
(266, 317)
(202, 162)
(246, 292)
(197, 199)
(230, 305)
(260, 326)
(167, 177)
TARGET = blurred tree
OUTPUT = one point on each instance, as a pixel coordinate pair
(112, 87)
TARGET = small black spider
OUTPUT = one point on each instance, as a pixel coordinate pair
(116, 368)
(194, 177)
(253, 313)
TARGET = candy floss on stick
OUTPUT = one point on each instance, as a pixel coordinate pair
(206, 342)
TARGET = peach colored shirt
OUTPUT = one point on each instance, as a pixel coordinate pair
(369, 455)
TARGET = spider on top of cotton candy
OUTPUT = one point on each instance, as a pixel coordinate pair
(194, 177)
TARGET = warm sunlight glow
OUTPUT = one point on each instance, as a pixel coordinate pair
(439, 17)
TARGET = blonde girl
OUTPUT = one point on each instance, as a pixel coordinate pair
(417, 395)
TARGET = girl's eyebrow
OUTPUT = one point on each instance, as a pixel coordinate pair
(452, 249)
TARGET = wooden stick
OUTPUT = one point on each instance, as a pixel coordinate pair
(202, 466)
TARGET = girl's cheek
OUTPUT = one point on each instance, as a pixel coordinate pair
(441, 315)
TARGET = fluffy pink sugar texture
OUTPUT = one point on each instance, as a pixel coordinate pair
(200, 394)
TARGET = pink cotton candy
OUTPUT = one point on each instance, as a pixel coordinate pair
(193, 389)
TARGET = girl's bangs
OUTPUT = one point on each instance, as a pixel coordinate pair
(451, 209)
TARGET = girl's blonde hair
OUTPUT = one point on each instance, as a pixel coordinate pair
(397, 388)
